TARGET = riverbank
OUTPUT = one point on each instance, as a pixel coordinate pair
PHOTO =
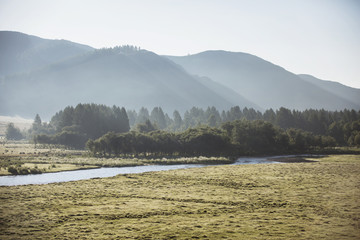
(27, 159)
(296, 159)
(76, 175)
(21, 158)
(71, 163)
(316, 200)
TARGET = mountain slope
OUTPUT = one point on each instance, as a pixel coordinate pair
(119, 76)
(228, 93)
(261, 82)
(21, 52)
(349, 93)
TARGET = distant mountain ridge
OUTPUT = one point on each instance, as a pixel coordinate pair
(349, 93)
(21, 52)
(261, 82)
(228, 93)
(42, 76)
(108, 76)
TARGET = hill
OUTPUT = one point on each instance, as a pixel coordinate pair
(349, 93)
(124, 76)
(261, 82)
(21, 52)
(42, 76)
(228, 93)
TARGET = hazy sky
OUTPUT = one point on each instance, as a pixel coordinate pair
(317, 37)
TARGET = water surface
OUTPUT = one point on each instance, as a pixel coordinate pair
(108, 172)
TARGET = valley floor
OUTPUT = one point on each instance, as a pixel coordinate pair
(46, 159)
(313, 200)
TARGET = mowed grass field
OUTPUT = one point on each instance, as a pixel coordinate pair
(319, 200)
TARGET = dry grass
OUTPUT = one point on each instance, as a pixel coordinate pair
(317, 200)
(15, 153)
(25, 155)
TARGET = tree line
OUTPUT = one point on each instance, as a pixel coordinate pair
(74, 126)
(236, 138)
(343, 126)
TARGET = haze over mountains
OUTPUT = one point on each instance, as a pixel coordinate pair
(22, 53)
(264, 83)
(351, 94)
(43, 76)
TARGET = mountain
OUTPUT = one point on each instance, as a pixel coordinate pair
(21, 52)
(261, 82)
(43, 76)
(349, 93)
(123, 76)
(227, 93)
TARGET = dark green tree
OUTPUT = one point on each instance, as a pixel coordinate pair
(270, 116)
(284, 118)
(212, 120)
(177, 121)
(234, 114)
(157, 116)
(145, 127)
(132, 115)
(37, 122)
(143, 115)
(13, 133)
(357, 139)
(204, 141)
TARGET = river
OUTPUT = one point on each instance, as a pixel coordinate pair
(68, 176)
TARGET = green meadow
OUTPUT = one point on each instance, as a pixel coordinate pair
(312, 200)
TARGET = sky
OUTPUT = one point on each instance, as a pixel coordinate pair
(316, 37)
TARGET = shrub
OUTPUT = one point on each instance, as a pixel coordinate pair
(23, 171)
(35, 171)
(13, 170)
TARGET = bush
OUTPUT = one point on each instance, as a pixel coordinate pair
(35, 171)
(23, 170)
(13, 133)
(13, 170)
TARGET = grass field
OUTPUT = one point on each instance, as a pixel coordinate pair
(21, 154)
(315, 200)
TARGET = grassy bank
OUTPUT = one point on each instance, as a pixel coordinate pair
(21, 155)
(38, 168)
(69, 162)
(314, 200)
